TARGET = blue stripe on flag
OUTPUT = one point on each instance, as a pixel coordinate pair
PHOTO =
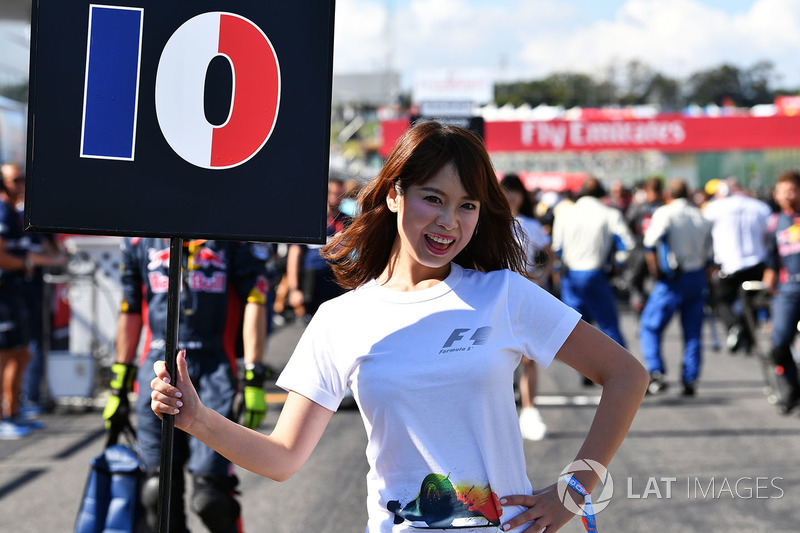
(112, 79)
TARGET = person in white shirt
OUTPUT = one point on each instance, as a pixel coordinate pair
(739, 235)
(539, 260)
(428, 340)
(590, 238)
(678, 251)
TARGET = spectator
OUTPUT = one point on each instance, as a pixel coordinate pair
(429, 339)
(678, 247)
(639, 218)
(703, 196)
(533, 237)
(17, 260)
(349, 203)
(283, 312)
(539, 260)
(589, 237)
(34, 290)
(309, 277)
(738, 231)
(619, 197)
(217, 275)
(783, 272)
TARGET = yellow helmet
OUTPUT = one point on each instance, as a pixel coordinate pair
(711, 187)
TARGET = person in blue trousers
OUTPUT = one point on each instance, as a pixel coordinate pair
(782, 276)
(590, 237)
(678, 253)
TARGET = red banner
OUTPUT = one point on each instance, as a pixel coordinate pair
(666, 134)
(553, 181)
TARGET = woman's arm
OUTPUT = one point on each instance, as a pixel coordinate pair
(624, 381)
(277, 456)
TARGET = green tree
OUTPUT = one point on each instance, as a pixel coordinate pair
(641, 84)
(758, 82)
(665, 92)
(638, 77)
(565, 89)
(745, 87)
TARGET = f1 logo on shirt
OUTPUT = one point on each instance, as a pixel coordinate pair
(460, 340)
(112, 83)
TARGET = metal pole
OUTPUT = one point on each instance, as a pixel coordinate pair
(168, 421)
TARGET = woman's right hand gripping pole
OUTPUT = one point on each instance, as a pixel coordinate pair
(277, 456)
(179, 399)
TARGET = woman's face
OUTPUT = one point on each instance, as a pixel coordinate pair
(435, 220)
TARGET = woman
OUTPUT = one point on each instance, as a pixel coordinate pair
(539, 259)
(428, 342)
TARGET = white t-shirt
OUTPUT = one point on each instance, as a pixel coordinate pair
(739, 231)
(432, 372)
(586, 232)
(533, 239)
(688, 234)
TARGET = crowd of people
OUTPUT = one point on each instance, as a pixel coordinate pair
(659, 248)
(429, 234)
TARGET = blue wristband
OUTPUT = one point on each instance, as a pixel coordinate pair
(588, 518)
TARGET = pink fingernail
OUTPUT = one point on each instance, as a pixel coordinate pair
(178, 394)
(176, 411)
(166, 380)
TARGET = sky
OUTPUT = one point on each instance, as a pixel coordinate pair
(529, 39)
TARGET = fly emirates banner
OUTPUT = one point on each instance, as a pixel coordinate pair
(667, 134)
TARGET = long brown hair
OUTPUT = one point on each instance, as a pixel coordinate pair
(362, 251)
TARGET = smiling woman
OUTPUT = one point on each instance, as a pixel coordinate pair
(428, 342)
(435, 221)
(430, 157)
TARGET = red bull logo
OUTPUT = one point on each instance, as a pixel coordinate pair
(199, 282)
(206, 257)
(258, 294)
(158, 259)
(261, 285)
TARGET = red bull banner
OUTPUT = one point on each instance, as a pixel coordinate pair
(666, 134)
(207, 119)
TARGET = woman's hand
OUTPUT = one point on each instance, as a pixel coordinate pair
(180, 400)
(546, 513)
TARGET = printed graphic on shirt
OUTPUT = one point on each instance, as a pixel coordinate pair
(206, 270)
(463, 339)
(158, 258)
(204, 258)
(444, 505)
(258, 294)
(789, 239)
